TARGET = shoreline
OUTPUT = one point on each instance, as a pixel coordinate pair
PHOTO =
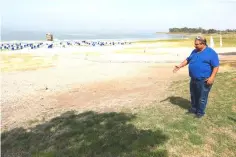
(94, 40)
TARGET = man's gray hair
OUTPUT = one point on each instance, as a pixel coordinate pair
(201, 39)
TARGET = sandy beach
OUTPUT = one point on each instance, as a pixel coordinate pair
(88, 78)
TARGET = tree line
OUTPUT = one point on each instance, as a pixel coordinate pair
(199, 30)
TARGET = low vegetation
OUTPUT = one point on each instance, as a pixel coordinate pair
(160, 130)
(200, 30)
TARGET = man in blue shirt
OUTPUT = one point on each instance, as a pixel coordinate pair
(203, 66)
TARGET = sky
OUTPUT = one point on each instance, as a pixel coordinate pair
(116, 15)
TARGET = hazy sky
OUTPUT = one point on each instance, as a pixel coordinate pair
(120, 15)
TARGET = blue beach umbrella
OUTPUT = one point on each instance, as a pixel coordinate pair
(50, 46)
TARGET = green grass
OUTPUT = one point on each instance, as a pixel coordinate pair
(160, 130)
(216, 132)
(87, 134)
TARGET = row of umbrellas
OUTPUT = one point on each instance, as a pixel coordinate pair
(36, 45)
(20, 46)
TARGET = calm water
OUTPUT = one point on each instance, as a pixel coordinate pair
(24, 35)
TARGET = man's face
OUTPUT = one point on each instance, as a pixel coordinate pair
(198, 45)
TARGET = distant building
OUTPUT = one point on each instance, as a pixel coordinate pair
(49, 37)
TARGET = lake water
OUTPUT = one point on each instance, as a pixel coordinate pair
(31, 35)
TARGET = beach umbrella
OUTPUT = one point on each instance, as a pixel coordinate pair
(50, 46)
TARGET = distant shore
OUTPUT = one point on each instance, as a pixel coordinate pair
(228, 40)
(177, 33)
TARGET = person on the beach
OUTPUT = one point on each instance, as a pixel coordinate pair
(203, 67)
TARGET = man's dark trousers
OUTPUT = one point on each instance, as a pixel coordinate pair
(199, 91)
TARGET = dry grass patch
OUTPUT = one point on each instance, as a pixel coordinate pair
(23, 62)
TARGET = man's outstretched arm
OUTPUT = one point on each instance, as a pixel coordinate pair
(177, 67)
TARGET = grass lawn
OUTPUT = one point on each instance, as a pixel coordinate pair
(23, 62)
(214, 135)
(163, 129)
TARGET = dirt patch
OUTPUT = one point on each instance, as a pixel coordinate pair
(228, 54)
(121, 93)
(118, 93)
(227, 57)
(234, 107)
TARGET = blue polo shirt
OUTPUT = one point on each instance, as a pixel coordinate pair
(201, 64)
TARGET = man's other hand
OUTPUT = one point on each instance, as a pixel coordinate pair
(210, 80)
